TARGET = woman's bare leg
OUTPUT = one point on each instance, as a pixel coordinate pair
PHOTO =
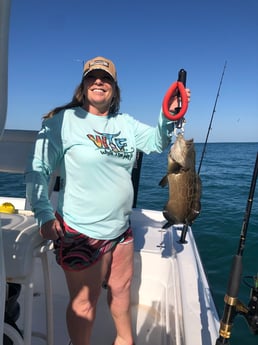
(119, 293)
(84, 288)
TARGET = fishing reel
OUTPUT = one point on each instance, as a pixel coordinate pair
(232, 304)
(250, 312)
(234, 307)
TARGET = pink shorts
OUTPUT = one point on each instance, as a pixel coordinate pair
(76, 251)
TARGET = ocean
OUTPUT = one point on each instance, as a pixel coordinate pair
(226, 175)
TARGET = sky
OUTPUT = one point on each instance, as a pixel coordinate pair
(149, 42)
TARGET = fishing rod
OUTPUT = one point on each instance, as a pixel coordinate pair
(232, 305)
(212, 115)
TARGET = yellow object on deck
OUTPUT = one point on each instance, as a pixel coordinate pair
(7, 207)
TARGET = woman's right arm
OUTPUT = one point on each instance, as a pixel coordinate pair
(43, 161)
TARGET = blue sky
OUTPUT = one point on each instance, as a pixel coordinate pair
(149, 41)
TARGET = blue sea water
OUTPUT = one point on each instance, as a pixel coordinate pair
(226, 175)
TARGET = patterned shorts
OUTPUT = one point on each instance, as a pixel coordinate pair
(76, 251)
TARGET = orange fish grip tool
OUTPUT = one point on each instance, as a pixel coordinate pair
(176, 89)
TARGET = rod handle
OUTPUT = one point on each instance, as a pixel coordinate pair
(182, 76)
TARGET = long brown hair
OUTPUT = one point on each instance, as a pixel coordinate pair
(78, 100)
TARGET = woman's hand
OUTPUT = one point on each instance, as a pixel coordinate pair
(51, 230)
(174, 100)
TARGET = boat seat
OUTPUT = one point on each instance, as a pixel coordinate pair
(22, 242)
(22, 246)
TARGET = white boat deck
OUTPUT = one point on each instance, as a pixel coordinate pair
(171, 300)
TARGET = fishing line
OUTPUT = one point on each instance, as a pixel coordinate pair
(212, 115)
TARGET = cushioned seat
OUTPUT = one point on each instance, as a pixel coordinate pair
(22, 244)
(21, 237)
(21, 240)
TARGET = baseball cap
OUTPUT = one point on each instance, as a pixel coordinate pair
(102, 63)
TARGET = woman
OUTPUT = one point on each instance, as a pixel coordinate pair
(94, 147)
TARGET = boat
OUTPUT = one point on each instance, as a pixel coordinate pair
(172, 302)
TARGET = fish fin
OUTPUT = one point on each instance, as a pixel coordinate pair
(164, 181)
(170, 221)
(167, 225)
(193, 215)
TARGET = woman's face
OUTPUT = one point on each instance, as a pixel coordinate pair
(99, 91)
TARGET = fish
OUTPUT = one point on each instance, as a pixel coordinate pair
(184, 184)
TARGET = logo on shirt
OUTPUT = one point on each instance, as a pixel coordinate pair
(111, 144)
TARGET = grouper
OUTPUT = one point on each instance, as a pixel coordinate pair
(184, 184)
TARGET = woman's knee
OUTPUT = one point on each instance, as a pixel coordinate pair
(83, 307)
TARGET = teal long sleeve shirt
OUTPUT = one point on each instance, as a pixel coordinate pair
(94, 156)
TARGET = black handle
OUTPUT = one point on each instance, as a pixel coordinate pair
(182, 79)
(182, 76)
